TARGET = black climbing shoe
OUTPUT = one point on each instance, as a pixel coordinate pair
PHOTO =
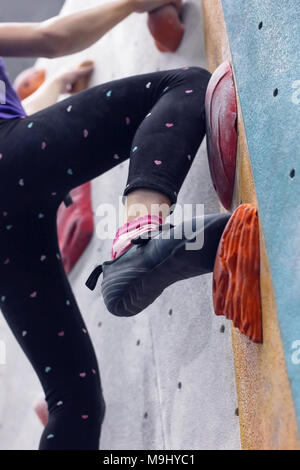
(158, 259)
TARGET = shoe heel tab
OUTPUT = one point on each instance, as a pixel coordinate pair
(93, 278)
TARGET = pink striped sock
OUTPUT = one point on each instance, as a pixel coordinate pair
(131, 230)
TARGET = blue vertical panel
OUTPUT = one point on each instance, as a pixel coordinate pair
(264, 39)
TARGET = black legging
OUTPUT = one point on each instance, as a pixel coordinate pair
(43, 157)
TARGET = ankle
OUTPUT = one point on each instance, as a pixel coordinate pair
(131, 230)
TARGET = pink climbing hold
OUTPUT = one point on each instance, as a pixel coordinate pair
(221, 131)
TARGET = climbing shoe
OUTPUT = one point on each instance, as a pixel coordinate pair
(156, 260)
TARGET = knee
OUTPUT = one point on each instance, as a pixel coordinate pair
(82, 400)
(92, 403)
(197, 75)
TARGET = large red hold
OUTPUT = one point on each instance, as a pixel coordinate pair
(166, 28)
(236, 278)
(221, 131)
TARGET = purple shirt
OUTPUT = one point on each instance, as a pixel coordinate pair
(10, 104)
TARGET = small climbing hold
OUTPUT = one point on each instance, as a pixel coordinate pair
(82, 83)
(236, 278)
(166, 28)
(275, 92)
(28, 81)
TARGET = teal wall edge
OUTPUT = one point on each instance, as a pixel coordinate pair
(264, 38)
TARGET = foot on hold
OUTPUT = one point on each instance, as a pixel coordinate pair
(134, 280)
(236, 279)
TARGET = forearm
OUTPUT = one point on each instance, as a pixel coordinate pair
(64, 35)
(80, 30)
(45, 96)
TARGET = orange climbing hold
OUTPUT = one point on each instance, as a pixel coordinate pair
(236, 278)
(28, 81)
(166, 28)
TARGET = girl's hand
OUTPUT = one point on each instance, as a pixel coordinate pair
(76, 79)
(142, 6)
(72, 81)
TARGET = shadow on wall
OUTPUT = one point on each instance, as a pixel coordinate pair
(29, 11)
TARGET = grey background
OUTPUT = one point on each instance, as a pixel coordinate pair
(26, 11)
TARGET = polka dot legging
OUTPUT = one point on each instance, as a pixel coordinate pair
(158, 120)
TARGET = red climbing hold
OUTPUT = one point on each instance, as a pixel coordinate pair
(75, 225)
(221, 131)
(236, 278)
(166, 28)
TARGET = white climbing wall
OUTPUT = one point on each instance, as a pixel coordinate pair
(167, 374)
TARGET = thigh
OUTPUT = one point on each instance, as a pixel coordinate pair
(85, 135)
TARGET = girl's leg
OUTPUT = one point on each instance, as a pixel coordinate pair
(41, 310)
(155, 119)
(43, 157)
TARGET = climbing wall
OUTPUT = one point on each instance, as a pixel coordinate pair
(168, 374)
(260, 40)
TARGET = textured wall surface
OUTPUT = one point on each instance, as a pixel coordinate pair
(266, 59)
(266, 408)
(167, 374)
